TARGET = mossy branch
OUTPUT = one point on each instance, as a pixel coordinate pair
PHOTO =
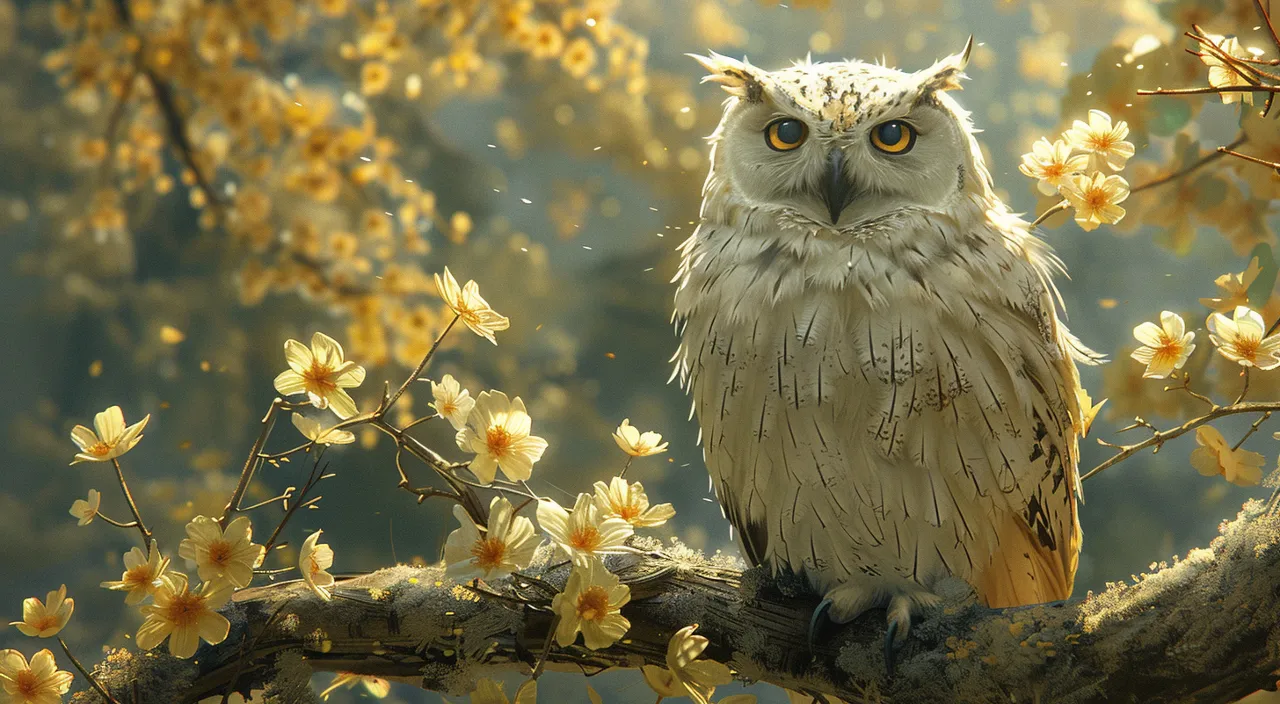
(1204, 629)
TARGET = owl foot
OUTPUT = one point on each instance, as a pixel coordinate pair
(814, 620)
(899, 625)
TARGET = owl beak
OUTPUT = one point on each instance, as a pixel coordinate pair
(837, 191)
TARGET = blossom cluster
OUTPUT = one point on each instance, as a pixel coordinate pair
(1077, 166)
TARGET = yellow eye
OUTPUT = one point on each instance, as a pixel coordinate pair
(785, 134)
(893, 137)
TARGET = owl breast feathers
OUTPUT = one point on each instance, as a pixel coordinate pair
(885, 393)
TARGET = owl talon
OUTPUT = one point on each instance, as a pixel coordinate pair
(818, 613)
(890, 647)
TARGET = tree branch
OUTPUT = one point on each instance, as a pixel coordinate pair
(1202, 630)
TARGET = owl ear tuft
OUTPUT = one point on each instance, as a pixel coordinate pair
(947, 72)
(737, 78)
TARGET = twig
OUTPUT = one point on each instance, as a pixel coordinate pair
(252, 461)
(1252, 429)
(107, 519)
(1159, 439)
(97, 687)
(1202, 161)
(1249, 158)
(382, 410)
(1265, 15)
(288, 494)
(1186, 386)
(1211, 90)
(1057, 208)
(317, 475)
(133, 507)
(1244, 388)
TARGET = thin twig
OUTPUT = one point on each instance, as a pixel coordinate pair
(1057, 208)
(382, 410)
(317, 475)
(1252, 429)
(1265, 15)
(253, 460)
(1210, 90)
(1181, 173)
(107, 519)
(1244, 388)
(92, 682)
(133, 507)
(1159, 439)
(1250, 158)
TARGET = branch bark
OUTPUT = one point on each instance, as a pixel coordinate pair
(1204, 629)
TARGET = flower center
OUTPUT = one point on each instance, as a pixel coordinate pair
(498, 440)
(99, 449)
(593, 604)
(27, 683)
(139, 576)
(45, 622)
(585, 538)
(1096, 198)
(627, 511)
(489, 552)
(184, 610)
(1247, 347)
(1102, 142)
(1169, 348)
(447, 408)
(319, 376)
(1054, 170)
(220, 553)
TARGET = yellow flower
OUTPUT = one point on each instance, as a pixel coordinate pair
(507, 545)
(452, 402)
(231, 555)
(111, 440)
(142, 574)
(1240, 339)
(313, 562)
(1102, 141)
(375, 76)
(45, 619)
(184, 616)
(686, 675)
(498, 434)
(1215, 456)
(591, 603)
(376, 687)
(638, 444)
(585, 533)
(471, 308)
(321, 435)
(579, 58)
(1096, 198)
(40, 682)
(1088, 410)
(489, 692)
(618, 499)
(1223, 76)
(1051, 164)
(322, 373)
(86, 509)
(1166, 346)
(1235, 289)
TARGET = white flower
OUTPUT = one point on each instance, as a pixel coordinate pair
(1051, 164)
(1223, 76)
(1102, 141)
(472, 310)
(638, 444)
(231, 555)
(322, 373)
(591, 603)
(452, 402)
(498, 434)
(1096, 198)
(618, 499)
(185, 616)
(40, 682)
(111, 440)
(143, 573)
(44, 619)
(313, 431)
(585, 533)
(1165, 347)
(313, 562)
(686, 675)
(507, 545)
(86, 509)
(1241, 339)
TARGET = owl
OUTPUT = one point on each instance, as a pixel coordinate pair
(885, 392)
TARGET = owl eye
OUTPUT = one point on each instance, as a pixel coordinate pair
(893, 137)
(785, 134)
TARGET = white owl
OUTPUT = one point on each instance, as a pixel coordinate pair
(885, 392)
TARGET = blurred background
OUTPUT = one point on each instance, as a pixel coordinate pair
(185, 184)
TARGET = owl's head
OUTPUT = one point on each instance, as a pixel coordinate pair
(844, 143)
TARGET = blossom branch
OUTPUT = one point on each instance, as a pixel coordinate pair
(252, 462)
(133, 507)
(97, 686)
(1158, 439)
(1194, 166)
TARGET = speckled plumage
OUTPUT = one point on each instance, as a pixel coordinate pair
(890, 398)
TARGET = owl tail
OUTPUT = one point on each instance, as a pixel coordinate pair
(1023, 572)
